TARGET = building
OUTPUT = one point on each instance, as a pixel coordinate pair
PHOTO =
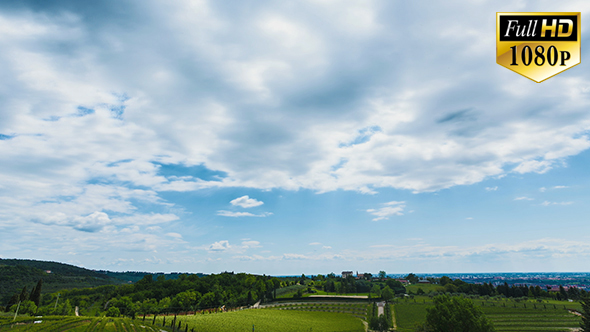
(345, 274)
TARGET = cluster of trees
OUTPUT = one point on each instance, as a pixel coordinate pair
(25, 302)
(386, 289)
(455, 314)
(149, 295)
(513, 291)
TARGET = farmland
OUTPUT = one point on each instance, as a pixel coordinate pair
(271, 320)
(245, 320)
(317, 316)
(75, 324)
(506, 315)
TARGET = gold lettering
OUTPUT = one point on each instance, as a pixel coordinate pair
(552, 28)
(562, 23)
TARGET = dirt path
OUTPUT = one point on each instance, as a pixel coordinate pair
(380, 308)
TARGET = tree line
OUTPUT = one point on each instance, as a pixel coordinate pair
(511, 291)
(157, 295)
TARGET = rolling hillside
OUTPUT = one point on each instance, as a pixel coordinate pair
(18, 273)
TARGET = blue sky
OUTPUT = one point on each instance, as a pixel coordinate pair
(287, 138)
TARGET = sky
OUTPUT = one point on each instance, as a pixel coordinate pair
(283, 138)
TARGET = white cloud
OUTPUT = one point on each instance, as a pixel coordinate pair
(393, 208)
(547, 203)
(220, 246)
(492, 188)
(224, 213)
(523, 198)
(174, 235)
(315, 244)
(294, 256)
(543, 189)
(251, 244)
(246, 202)
(326, 247)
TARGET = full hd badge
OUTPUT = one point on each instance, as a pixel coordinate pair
(538, 45)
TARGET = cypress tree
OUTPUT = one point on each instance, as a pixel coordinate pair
(36, 293)
(13, 300)
(24, 295)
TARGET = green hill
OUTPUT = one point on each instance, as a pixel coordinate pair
(18, 273)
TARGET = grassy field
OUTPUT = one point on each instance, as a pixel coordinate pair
(506, 315)
(266, 320)
(76, 324)
(289, 291)
(427, 288)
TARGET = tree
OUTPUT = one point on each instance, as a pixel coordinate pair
(13, 300)
(113, 312)
(585, 324)
(387, 294)
(444, 280)
(396, 286)
(125, 305)
(185, 300)
(208, 300)
(456, 314)
(26, 307)
(36, 293)
(412, 278)
(24, 295)
(276, 282)
(376, 290)
(382, 274)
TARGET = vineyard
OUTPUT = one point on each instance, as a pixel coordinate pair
(358, 310)
(266, 320)
(505, 315)
(76, 324)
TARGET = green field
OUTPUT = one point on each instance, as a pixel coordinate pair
(358, 310)
(506, 315)
(266, 320)
(76, 324)
(427, 288)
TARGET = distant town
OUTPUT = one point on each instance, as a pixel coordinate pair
(551, 281)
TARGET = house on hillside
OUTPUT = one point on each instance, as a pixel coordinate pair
(404, 282)
(346, 274)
